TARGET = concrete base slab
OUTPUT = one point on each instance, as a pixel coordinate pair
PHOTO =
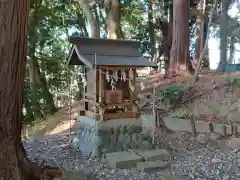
(151, 166)
(123, 160)
(152, 155)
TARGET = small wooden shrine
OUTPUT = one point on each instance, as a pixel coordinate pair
(110, 72)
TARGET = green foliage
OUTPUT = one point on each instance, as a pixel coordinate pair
(134, 23)
(233, 82)
(48, 27)
(181, 114)
(172, 94)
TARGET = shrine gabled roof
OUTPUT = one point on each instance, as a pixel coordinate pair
(105, 52)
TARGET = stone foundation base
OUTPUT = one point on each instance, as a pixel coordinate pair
(96, 138)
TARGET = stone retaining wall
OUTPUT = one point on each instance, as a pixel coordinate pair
(96, 137)
(147, 123)
(177, 124)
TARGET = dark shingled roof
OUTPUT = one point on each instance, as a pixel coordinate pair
(105, 52)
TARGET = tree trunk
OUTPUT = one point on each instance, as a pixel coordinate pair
(47, 95)
(151, 30)
(38, 80)
(231, 51)
(34, 84)
(197, 69)
(34, 79)
(179, 55)
(95, 28)
(198, 40)
(223, 32)
(82, 26)
(205, 19)
(14, 164)
(113, 19)
(13, 51)
(168, 40)
(29, 117)
(204, 37)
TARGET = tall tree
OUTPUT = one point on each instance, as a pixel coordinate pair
(231, 50)
(94, 24)
(14, 164)
(113, 18)
(151, 30)
(37, 78)
(223, 31)
(198, 40)
(168, 33)
(204, 32)
(197, 68)
(179, 55)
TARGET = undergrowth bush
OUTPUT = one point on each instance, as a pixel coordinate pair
(172, 94)
(181, 113)
(233, 82)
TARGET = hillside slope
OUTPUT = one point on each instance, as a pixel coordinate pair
(60, 121)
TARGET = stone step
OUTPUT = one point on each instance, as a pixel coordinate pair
(151, 166)
(233, 143)
(152, 155)
(123, 160)
(129, 159)
(80, 175)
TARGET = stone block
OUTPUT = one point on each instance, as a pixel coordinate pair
(229, 129)
(80, 175)
(147, 121)
(150, 166)
(177, 124)
(202, 138)
(214, 136)
(144, 145)
(95, 138)
(123, 160)
(202, 127)
(238, 128)
(234, 143)
(218, 128)
(113, 123)
(152, 155)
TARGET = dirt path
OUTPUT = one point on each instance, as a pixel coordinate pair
(59, 122)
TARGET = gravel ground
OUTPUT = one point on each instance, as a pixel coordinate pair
(208, 161)
(194, 158)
